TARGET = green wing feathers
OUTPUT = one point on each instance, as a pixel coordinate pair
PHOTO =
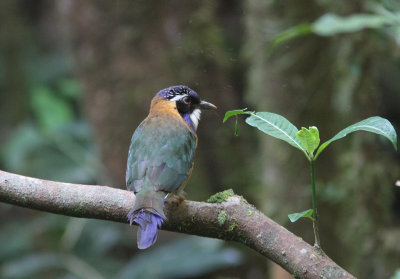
(162, 152)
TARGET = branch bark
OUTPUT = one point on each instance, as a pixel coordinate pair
(234, 220)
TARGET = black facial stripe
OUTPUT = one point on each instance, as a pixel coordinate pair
(184, 107)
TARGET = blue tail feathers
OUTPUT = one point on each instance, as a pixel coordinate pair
(149, 223)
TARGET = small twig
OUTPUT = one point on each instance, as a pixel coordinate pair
(317, 242)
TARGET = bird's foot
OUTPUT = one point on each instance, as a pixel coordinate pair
(178, 197)
(131, 216)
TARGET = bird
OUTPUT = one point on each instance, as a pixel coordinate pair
(160, 157)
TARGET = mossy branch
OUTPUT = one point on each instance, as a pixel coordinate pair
(228, 218)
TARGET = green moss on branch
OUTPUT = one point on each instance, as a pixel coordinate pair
(221, 196)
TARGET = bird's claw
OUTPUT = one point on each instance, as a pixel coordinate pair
(178, 197)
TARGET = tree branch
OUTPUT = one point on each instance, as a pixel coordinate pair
(234, 220)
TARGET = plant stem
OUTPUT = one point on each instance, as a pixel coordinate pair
(317, 243)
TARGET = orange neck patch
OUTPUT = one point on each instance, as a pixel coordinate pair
(159, 106)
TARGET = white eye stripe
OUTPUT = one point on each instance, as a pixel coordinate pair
(177, 97)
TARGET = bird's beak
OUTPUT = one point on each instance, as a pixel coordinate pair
(207, 105)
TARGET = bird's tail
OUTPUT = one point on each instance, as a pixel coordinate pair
(148, 214)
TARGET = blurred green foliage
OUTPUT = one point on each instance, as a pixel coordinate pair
(56, 143)
(396, 275)
(79, 248)
(384, 18)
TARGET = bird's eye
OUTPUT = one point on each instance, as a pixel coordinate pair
(186, 100)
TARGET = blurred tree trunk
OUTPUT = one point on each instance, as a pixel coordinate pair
(330, 83)
(13, 105)
(126, 51)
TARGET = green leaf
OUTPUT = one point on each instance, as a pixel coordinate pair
(396, 274)
(51, 110)
(309, 139)
(375, 124)
(291, 33)
(276, 126)
(230, 113)
(70, 88)
(305, 214)
(331, 24)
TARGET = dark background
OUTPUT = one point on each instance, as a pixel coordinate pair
(77, 77)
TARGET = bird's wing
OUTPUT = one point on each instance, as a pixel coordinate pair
(161, 152)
